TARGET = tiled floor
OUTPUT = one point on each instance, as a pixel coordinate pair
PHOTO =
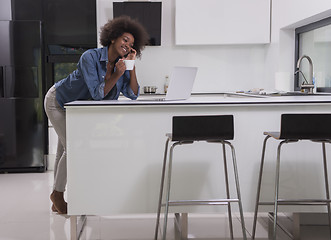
(25, 214)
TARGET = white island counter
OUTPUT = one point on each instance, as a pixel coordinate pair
(115, 152)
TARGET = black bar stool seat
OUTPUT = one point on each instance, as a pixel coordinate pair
(187, 130)
(296, 127)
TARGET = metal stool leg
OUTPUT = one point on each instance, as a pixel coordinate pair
(169, 185)
(327, 192)
(277, 189)
(259, 187)
(168, 192)
(227, 190)
(235, 169)
(161, 189)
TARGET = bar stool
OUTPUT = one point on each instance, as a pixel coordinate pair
(295, 127)
(187, 130)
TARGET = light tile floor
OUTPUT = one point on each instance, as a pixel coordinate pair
(25, 214)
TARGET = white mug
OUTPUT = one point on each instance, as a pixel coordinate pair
(129, 64)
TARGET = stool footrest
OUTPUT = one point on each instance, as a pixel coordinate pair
(201, 202)
(298, 202)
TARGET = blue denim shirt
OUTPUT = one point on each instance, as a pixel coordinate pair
(87, 81)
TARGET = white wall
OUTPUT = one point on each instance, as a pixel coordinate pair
(288, 15)
(226, 67)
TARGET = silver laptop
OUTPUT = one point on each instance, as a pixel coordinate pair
(180, 84)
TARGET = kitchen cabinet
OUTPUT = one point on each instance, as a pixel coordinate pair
(213, 22)
(115, 152)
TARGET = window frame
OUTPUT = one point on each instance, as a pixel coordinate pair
(309, 27)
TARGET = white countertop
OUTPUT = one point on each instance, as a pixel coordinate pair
(211, 99)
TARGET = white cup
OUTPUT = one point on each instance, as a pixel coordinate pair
(129, 64)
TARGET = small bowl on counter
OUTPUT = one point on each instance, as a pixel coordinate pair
(150, 89)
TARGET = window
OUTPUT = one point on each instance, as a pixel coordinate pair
(62, 70)
(314, 40)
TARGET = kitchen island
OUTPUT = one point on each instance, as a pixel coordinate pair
(115, 152)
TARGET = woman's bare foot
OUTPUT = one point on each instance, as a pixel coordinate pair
(54, 208)
(59, 205)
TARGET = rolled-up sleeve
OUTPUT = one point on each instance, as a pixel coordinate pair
(88, 66)
(130, 94)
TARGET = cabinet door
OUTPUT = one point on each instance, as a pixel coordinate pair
(209, 22)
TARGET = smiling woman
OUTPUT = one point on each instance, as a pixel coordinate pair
(101, 74)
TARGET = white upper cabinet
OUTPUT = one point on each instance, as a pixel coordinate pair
(213, 22)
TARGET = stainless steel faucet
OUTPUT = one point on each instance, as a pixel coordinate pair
(309, 85)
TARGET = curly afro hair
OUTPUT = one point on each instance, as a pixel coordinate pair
(115, 28)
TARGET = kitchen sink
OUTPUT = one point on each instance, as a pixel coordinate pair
(244, 95)
(300, 94)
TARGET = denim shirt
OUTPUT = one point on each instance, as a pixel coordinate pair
(87, 81)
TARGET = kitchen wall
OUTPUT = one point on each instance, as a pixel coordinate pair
(226, 67)
(288, 15)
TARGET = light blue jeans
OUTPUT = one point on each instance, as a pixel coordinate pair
(57, 116)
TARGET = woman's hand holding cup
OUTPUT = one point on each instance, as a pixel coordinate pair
(129, 60)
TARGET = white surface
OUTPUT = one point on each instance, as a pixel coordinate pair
(284, 81)
(204, 22)
(30, 217)
(225, 67)
(115, 155)
(212, 99)
(307, 12)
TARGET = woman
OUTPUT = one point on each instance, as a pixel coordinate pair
(100, 74)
